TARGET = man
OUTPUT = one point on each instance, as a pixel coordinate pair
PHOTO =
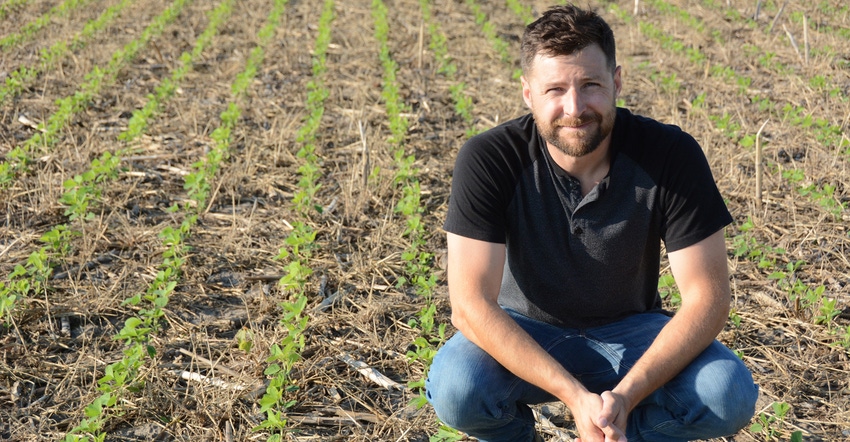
(554, 229)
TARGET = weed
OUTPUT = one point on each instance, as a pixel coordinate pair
(746, 245)
(446, 434)
(735, 318)
(843, 338)
(726, 125)
(669, 83)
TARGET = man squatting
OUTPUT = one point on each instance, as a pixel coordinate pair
(554, 228)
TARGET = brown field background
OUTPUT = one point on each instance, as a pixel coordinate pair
(796, 54)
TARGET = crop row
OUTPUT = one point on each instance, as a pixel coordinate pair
(417, 274)
(122, 377)
(165, 90)
(85, 188)
(22, 77)
(48, 133)
(81, 190)
(806, 300)
(30, 29)
(298, 253)
(824, 132)
(9, 5)
(299, 246)
(501, 47)
(825, 7)
(766, 59)
(462, 102)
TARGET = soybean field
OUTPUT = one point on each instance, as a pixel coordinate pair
(221, 220)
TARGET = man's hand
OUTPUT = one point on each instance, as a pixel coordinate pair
(615, 410)
(601, 418)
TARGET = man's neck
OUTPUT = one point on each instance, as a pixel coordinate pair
(589, 169)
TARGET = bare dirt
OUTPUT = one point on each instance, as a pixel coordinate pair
(56, 343)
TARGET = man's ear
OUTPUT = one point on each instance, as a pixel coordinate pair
(526, 91)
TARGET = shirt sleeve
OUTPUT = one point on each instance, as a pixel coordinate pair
(693, 206)
(478, 199)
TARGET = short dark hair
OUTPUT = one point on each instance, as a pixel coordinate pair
(563, 30)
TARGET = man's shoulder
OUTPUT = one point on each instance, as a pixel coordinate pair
(648, 140)
(518, 131)
(511, 143)
(636, 128)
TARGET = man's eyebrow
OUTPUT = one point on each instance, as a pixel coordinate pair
(594, 77)
(583, 79)
(548, 84)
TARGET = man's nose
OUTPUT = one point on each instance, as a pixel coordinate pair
(573, 103)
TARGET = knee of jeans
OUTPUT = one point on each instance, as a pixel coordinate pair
(453, 402)
(731, 400)
(742, 405)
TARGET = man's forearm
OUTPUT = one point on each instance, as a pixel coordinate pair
(701, 274)
(492, 329)
(688, 333)
(475, 276)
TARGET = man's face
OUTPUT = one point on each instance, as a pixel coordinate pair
(572, 98)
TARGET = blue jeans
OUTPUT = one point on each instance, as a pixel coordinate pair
(714, 396)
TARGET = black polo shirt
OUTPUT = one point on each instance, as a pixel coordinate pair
(585, 261)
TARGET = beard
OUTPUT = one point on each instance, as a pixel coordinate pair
(578, 143)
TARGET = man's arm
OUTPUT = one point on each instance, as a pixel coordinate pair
(475, 275)
(702, 276)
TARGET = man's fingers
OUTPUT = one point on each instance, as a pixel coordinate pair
(612, 415)
(610, 405)
(611, 431)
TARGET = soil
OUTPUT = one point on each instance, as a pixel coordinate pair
(57, 342)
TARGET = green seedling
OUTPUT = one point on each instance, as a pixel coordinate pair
(843, 338)
(499, 45)
(245, 340)
(770, 426)
(19, 79)
(69, 106)
(30, 29)
(522, 11)
(10, 5)
(667, 290)
(446, 434)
